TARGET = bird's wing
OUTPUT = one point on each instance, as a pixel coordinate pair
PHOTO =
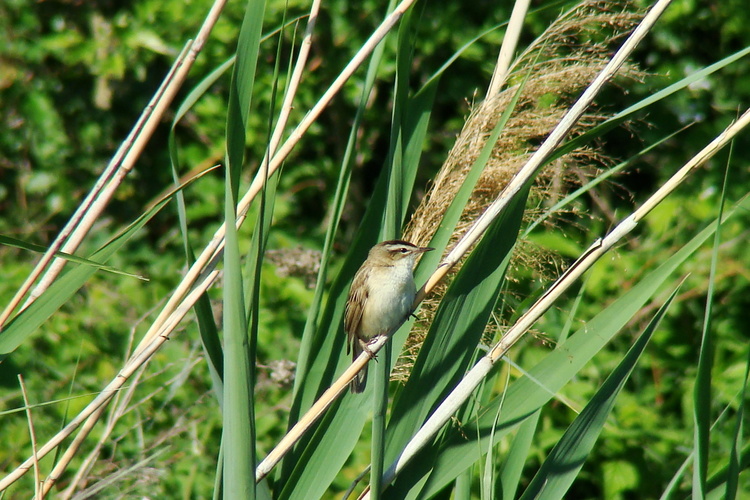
(358, 294)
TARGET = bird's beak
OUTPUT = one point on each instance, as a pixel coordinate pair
(425, 249)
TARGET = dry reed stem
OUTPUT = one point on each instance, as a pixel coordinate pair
(536, 161)
(508, 48)
(316, 410)
(97, 406)
(72, 450)
(557, 69)
(38, 492)
(120, 409)
(601, 246)
(216, 245)
(83, 219)
(85, 206)
(148, 339)
(75, 446)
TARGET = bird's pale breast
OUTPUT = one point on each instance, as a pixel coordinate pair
(389, 301)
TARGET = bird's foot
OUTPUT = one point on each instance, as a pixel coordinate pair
(366, 348)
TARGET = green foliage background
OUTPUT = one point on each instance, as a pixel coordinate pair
(73, 79)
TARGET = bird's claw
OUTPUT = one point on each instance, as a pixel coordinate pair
(366, 348)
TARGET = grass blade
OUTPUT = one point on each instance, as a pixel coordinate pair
(566, 459)
(327, 446)
(510, 476)
(735, 466)
(32, 247)
(239, 419)
(703, 389)
(398, 195)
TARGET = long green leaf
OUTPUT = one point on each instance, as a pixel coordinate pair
(25, 245)
(337, 209)
(566, 459)
(734, 466)
(627, 113)
(457, 205)
(312, 369)
(455, 331)
(568, 199)
(238, 418)
(394, 217)
(510, 476)
(209, 334)
(702, 391)
(719, 483)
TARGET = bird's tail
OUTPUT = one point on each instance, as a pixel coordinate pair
(358, 383)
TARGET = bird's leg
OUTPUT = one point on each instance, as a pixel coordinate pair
(366, 347)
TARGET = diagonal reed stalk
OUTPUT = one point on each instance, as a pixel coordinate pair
(508, 48)
(216, 245)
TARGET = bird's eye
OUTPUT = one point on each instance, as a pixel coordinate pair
(403, 250)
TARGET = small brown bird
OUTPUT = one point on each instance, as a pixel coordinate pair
(380, 298)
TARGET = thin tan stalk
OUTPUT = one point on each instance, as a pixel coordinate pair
(299, 68)
(508, 48)
(315, 411)
(216, 245)
(286, 108)
(477, 374)
(477, 229)
(38, 493)
(71, 452)
(73, 448)
(601, 246)
(83, 219)
(86, 204)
